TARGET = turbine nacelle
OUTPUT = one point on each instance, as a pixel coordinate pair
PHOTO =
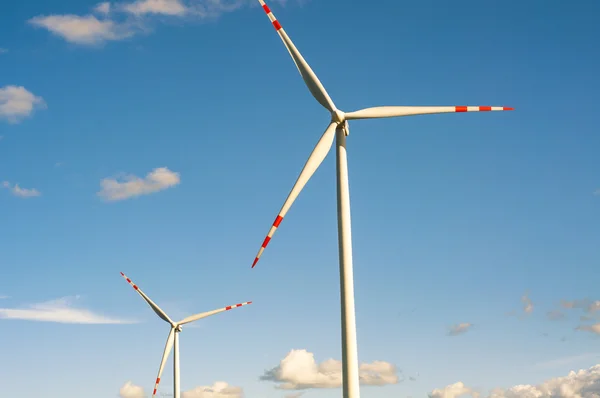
(338, 116)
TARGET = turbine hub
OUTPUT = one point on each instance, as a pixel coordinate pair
(178, 328)
(338, 116)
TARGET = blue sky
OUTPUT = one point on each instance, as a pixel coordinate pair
(455, 217)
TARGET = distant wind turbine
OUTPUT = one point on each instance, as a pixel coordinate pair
(173, 339)
(338, 128)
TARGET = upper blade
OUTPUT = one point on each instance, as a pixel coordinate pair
(396, 111)
(151, 303)
(314, 161)
(209, 313)
(309, 77)
(165, 356)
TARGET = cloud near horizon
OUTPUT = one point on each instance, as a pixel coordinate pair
(129, 186)
(123, 20)
(584, 383)
(17, 103)
(16, 190)
(219, 389)
(60, 310)
(299, 371)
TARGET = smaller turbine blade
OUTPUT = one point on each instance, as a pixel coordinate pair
(312, 164)
(209, 313)
(310, 79)
(396, 111)
(151, 303)
(165, 356)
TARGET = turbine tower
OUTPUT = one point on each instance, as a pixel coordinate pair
(173, 339)
(338, 128)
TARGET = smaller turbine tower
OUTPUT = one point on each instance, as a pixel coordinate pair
(173, 339)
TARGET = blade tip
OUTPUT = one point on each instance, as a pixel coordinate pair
(508, 108)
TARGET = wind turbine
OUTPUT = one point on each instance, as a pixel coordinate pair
(173, 339)
(338, 128)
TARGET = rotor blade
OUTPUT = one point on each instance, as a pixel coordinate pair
(151, 303)
(395, 111)
(165, 356)
(309, 77)
(209, 313)
(314, 161)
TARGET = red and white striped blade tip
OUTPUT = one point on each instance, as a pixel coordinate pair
(482, 108)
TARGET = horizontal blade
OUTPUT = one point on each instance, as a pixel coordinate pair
(396, 111)
(309, 77)
(151, 303)
(209, 313)
(165, 356)
(314, 161)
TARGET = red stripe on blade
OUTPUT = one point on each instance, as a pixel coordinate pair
(266, 242)
(227, 308)
(460, 108)
(277, 221)
(485, 108)
(255, 261)
(135, 287)
(506, 108)
(266, 8)
(276, 25)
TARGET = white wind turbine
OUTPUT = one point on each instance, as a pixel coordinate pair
(338, 128)
(173, 339)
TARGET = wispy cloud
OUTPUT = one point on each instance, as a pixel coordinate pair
(460, 328)
(527, 304)
(3, 50)
(17, 103)
(60, 310)
(103, 8)
(595, 328)
(4, 297)
(128, 186)
(299, 371)
(122, 20)
(164, 7)
(16, 190)
(86, 30)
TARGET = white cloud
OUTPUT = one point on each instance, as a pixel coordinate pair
(453, 391)
(130, 390)
(103, 8)
(582, 384)
(131, 186)
(219, 389)
(16, 190)
(16, 103)
(527, 304)
(294, 395)
(460, 328)
(165, 7)
(60, 311)
(299, 371)
(87, 29)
